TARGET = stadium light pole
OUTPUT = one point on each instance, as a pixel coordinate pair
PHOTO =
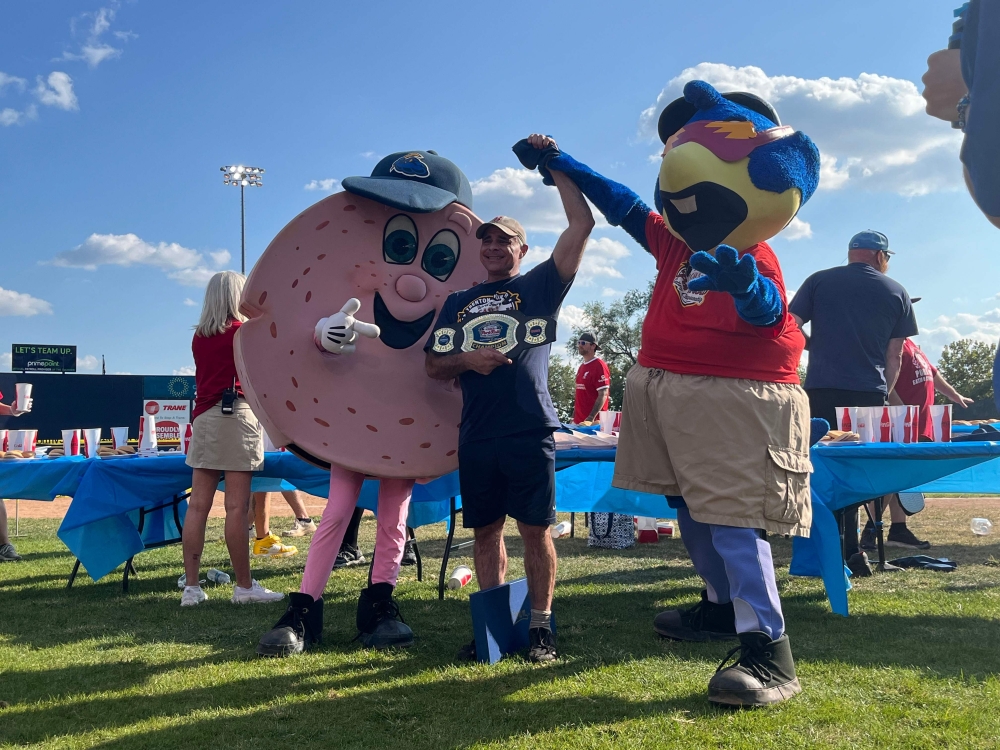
(243, 177)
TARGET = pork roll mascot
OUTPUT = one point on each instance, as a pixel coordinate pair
(331, 360)
(713, 410)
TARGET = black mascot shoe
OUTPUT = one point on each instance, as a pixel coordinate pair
(299, 628)
(705, 621)
(379, 623)
(764, 673)
(409, 553)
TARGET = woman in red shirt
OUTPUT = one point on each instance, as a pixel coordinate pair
(221, 442)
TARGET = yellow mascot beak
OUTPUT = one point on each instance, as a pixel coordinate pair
(708, 201)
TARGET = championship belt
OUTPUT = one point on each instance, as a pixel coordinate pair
(508, 332)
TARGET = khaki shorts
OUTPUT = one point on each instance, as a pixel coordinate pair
(226, 442)
(736, 450)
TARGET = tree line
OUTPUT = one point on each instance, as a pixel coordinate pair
(966, 364)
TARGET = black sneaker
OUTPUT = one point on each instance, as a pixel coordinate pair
(858, 565)
(467, 652)
(868, 541)
(8, 553)
(348, 557)
(409, 553)
(541, 645)
(763, 673)
(901, 536)
(705, 621)
(380, 625)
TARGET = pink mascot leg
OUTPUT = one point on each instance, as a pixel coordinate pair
(345, 486)
(393, 505)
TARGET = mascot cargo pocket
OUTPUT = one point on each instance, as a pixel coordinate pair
(786, 483)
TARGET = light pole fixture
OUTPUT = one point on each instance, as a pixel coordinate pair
(243, 177)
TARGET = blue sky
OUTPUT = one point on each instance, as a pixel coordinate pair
(115, 119)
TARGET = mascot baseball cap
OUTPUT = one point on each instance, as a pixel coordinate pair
(417, 181)
(869, 240)
(510, 227)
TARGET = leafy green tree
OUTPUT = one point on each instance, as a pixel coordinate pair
(618, 328)
(562, 387)
(968, 366)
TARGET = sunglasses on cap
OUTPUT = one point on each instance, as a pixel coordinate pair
(729, 140)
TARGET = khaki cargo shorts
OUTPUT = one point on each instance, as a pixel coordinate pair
(736, 450)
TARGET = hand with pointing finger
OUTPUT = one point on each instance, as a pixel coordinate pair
(337, 333)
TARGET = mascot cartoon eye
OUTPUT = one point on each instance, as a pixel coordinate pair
(399, 241)
(441, 255)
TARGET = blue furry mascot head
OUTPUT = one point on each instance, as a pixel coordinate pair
(731, 173)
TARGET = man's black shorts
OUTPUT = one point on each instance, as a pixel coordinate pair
(513, 475)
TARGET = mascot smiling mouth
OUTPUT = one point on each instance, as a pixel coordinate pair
(400, 334)
(704, 214)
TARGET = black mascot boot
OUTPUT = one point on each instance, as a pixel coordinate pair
(705, 621)
(299, 628)
(764, 673)
(379, 622)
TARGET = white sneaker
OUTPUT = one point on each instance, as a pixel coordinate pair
(193, 595)
(256, 594)
(300, 529)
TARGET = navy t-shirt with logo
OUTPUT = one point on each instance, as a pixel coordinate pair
(855, 310)
(513, 398)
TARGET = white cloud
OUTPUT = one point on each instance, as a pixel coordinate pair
(797, 230)
(948, 328)
(94, 51)
(188, 302)
(520, 193)
(328, 185)
(599, 259)
(871, 130)
(9, 80)
(87, 363)
(185, 370)
(10, 116)
(56, 91)
(609, 292)
(184, 265)
(6, 360)
(369, 154)
(24, 305)
(571, 316)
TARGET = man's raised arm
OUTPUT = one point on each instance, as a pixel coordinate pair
(568, 251)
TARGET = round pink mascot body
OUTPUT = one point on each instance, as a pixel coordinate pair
(332, 363)
(374, 411)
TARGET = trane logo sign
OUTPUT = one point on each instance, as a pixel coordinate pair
(154, 408)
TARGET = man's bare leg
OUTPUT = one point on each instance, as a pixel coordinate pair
(294, 501)
(262, 513)
(4, 538)
(539, 564)
(490, 555)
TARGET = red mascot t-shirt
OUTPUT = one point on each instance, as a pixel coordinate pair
(699, 333)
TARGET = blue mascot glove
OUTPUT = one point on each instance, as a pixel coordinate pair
(817, 429)
(757, 299)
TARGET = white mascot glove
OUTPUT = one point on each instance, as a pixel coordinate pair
(338, 333)
(26, 408)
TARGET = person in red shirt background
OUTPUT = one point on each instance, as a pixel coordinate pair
(916, 385)
(593, 381)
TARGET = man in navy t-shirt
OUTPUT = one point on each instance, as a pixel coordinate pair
(860, 319)
(506, 452)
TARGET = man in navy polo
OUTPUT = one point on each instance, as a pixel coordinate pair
(506, 452)
(860, 319)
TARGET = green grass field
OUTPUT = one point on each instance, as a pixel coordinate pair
(915, 666)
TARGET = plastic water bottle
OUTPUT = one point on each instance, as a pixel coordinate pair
(218, 577)
(183, 580)
(561, 529)
(981, 526)
(459, 577)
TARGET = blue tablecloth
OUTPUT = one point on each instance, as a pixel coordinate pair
(41, 478)
(849, 474)
(100, 526)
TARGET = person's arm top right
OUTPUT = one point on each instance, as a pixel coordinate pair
(981, 70)
(945, 388)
